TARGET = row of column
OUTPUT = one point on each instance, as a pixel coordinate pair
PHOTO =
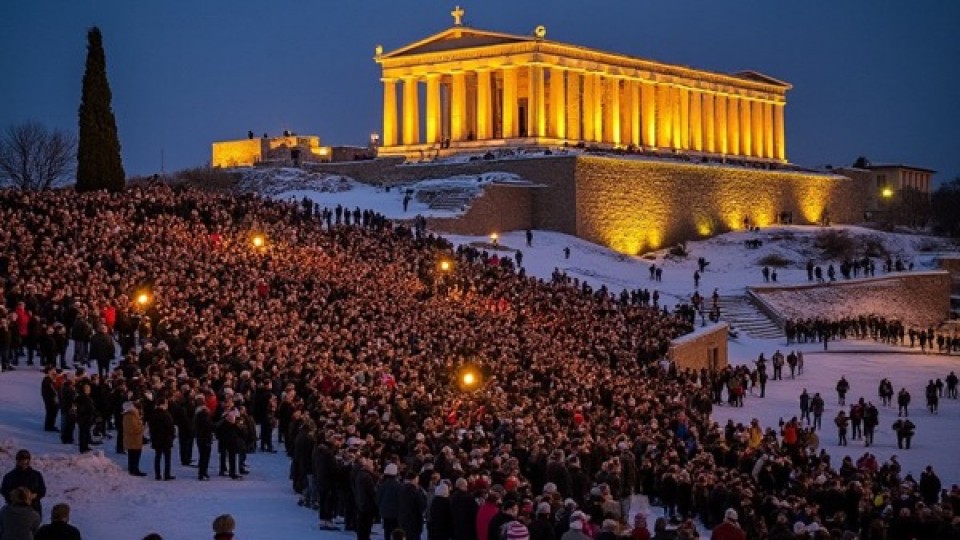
(586, 106)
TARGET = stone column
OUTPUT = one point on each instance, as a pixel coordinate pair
(720, 124)
(696, 121)
(599, 103)
(536, 114)
(389, 112)
(709, 137)
(558, 115)
(470, 125)
(589, 104)
(433, 108)
(484, 106)
(458, 106)
(733, 125)
(759, 145)
(411, 111)
(574, 79)
(676, 141)
(633, 93)
(746, 129)
(509, 113)
(664, 115)
(648, 113)
(768, 130)
(780, 143)
(611, 110)
(684, 95)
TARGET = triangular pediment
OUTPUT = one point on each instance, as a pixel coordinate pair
(458, 37)
(762, 78)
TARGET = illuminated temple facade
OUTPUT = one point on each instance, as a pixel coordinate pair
(465, 89)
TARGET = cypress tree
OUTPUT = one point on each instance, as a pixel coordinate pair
(98, 148)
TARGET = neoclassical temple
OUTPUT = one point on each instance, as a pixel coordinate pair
(466, 89)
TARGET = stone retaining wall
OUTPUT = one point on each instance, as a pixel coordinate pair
(918, 299)
(703, 348)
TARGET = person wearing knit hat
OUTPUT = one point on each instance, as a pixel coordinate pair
(516, 531)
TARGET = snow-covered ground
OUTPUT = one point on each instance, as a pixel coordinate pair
(110, 504)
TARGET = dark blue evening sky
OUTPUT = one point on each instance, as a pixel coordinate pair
(879, 78)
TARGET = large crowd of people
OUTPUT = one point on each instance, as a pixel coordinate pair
(341, 337)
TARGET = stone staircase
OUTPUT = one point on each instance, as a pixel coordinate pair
(744, 316)
(451, 200)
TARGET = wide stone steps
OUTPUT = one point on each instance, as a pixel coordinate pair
(453, 202)
(745, 317)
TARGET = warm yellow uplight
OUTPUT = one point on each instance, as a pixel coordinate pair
(469, 378)
(494, 238)
(445, 266)
(887, 192)
(143, 299)
(259, 240)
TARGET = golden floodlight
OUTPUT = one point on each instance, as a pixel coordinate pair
(469, 378)
(142, 298)
(494, 238)
(887, 192)
(259, 240)
(445, 265)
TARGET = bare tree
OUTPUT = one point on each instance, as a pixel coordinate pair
(33, 157)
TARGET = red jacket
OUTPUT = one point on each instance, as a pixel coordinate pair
(728, 531)
(23, 321)
(109, 314)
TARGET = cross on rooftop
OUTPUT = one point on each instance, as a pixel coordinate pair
(457, 16)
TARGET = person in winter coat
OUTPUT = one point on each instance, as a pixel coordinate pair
(162, 433)
(102, 351)
(905, 430)
(68, 413)
(203, 431)
(229, 439)
(59, 527)
(365, 498)
(324, 463)
(440, 526)
(541, 528)
(729, 529)
(86, 413)
(842, 422)
(18, 521)
(464, 508)
(388, 498)
(412, 503)
(133, 437)
(48, 391)
(23, 475)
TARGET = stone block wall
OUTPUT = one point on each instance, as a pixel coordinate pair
(703, 348)
(239, 153)
(635, 206)
(500, 208)
(918, 299)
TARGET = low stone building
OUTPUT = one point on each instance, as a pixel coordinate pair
(286, 150)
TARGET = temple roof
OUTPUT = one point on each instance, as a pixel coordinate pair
(465, 37)
(457, 37)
